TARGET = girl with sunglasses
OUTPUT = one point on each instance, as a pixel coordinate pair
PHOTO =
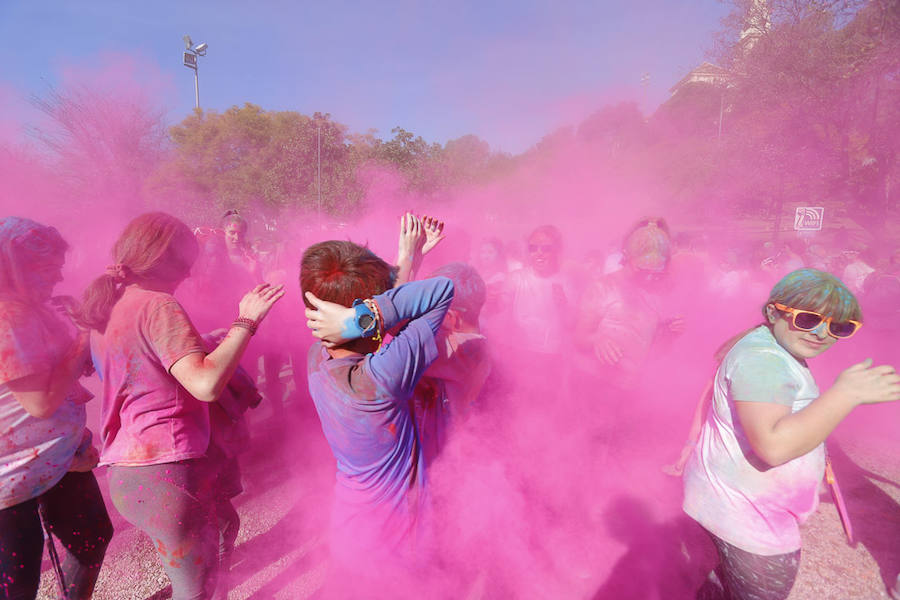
(754, 474)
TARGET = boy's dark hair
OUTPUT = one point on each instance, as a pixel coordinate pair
(341, 271)
(469, 292)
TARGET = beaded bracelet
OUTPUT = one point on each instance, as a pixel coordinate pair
(245, 323)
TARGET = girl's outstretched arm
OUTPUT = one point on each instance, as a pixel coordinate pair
(777, 435)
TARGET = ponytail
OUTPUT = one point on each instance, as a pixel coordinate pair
(98, 301)
(154, 246)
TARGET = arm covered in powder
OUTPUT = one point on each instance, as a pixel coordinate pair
(398, 366)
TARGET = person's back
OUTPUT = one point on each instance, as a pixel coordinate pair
(158, 381)
(362, 391)
(373, 437)
(148, 417)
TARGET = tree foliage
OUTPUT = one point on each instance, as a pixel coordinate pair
(286, 160)
(271, 160)
(809, 110)
(101, 143)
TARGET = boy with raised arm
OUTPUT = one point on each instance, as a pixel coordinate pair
(362, 393)
(452, 384)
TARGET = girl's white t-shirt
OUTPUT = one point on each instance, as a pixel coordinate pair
(727, 488)
(34, 453)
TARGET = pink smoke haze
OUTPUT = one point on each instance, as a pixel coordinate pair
(552, 487)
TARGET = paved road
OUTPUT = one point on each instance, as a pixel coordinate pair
(281, 549)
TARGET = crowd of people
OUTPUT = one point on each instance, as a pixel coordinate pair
(396, 367)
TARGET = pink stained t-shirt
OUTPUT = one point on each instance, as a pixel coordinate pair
(147, 417)
(34, 453)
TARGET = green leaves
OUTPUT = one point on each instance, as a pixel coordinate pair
(286, 160)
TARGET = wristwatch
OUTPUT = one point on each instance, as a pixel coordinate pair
(365, 319)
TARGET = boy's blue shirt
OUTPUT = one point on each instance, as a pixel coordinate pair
(363, 404)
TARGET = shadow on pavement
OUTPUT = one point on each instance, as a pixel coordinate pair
(665, 559)
(874, 514)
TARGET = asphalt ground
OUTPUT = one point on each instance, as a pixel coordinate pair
(281, 549)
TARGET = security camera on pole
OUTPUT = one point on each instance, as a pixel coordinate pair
(191, 62)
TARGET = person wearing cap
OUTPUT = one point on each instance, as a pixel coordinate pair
(621, 315)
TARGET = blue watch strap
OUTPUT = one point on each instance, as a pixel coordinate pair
(365, 320)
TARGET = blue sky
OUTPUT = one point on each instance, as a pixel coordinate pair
(509, 72)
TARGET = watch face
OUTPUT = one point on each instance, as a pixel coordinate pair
(366, 321)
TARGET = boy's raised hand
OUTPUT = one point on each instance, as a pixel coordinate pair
(409, 254)
(418, 237)
(332, 323)
(434, 233)
(412, 238)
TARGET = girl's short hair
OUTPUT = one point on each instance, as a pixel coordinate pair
(818, 291)
(24, 242)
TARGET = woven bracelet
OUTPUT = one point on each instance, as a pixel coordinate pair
(245, 323)
(379, 319)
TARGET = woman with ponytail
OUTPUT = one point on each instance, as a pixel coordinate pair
(754, 473)
(157, 380)
(46, 456)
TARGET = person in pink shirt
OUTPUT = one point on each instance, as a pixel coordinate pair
(158, 379)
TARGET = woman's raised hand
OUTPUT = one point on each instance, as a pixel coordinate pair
(866, 384)
(257, 303)
(434, 233)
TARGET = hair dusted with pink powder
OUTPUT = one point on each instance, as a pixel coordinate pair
(805, 289)
(341, 271)
(233, 216)
(24, 242)
(153, 247)
(818, 291)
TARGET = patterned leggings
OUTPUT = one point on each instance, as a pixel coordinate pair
(175, 504)
(742, 575)
(74, 512)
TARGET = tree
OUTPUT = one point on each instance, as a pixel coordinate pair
(271, 161)
(809, 98)
(103, 144)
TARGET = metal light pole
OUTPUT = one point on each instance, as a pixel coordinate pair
(191, 61)
(645, 83)
(319, 167)
(721, 112)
